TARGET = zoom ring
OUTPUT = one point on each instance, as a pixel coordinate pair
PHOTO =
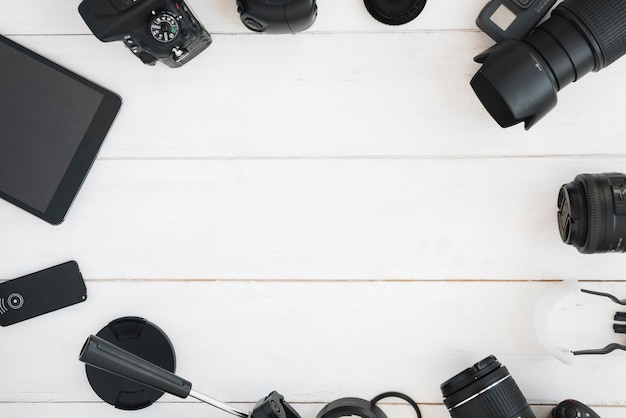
(605, 20)
(504, 400)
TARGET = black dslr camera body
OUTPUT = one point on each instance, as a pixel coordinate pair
(154, 30)
(521, 75)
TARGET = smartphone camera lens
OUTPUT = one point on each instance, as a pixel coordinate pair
(592, 213)
(485, 390)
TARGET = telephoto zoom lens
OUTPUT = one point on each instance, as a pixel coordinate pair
(592, 213)
(485, 390)
(518, 80)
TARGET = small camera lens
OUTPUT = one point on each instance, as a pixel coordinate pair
(592, 213)
(485, 390)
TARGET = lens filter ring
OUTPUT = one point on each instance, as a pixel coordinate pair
(595, 229)
(394, 12)
(401, 396)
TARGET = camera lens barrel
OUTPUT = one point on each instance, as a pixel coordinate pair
(603, 22)
(485, 390)
(592, 213)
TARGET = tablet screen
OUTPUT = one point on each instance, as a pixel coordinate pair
(45, 115)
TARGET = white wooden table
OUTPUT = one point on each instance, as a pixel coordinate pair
(328, 214)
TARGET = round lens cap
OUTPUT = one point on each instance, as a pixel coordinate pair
(395, 12)
(144, 339)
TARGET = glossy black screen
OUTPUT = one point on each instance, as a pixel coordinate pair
(44, 115)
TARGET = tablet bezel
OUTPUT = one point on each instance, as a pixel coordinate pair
(87, 150)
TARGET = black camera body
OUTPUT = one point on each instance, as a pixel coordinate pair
(512, 19)
(153, 30)
(519, 79)
(277, 16)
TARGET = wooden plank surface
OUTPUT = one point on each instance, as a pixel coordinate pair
(332, 95)
(344, 187)
(314, 219)
(315, 342)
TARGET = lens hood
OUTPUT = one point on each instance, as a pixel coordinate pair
(498, 87)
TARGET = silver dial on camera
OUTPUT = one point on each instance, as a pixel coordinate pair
(164, 27)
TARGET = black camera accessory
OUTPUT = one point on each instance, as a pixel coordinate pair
(546, 305)
(519, 80)
(619, 317)
(277, 16)
(153, 30)
(41, 292)
(592, 213)
(512, 19)
(143, 339)
(111, 358)
(485, 390)
(573, 409)
(346, 407)
(53, 124)
(394, 12)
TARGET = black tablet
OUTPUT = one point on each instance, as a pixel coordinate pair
(52, 123)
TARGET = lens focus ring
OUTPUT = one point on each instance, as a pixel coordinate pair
(595, 231)
(504, 400)
(606, 22)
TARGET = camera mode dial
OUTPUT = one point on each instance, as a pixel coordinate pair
(164, 27)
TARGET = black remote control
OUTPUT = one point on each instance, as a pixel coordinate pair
(41, 292)
(573, 409)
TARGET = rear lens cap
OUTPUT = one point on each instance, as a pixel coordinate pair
(395, 12)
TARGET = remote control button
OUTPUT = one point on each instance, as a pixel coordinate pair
(571, 412)
(15, 301)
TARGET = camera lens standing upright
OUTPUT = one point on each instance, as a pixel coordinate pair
(592, 213)
(485, 390)
(519, 80)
